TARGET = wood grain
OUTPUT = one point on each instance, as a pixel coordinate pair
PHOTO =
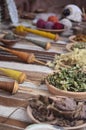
(9, 127)
(43, 56)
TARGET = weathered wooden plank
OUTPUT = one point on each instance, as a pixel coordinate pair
(32, 76)
(11, 101)
(13, 123)
(23, 95)
(9, 127)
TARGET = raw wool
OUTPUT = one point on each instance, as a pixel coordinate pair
(49, 25)
(75, 13)
(76, 57)
(41, 23)
(66, 22)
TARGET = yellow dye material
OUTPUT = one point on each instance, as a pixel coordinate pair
(34, 31)
(14, 74)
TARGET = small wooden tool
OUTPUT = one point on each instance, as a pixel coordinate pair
(19, 76)
(24, 56)
(37, 32)
(12, 87)
(14, 74)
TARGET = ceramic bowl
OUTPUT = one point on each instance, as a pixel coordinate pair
(69, 46)
(77, 95)
(43, 127)
(51, 127)
(8, 42)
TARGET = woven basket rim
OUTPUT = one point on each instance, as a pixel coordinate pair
(71, 38)
(75, 127)
(68, 46)
(64, 90)
(29, 112)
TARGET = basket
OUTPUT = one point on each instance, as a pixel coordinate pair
(8, 42)
(56, 91)
(71, 38)
(69, 46)
(34, 120)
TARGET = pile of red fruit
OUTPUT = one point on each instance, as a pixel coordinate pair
(51, 23)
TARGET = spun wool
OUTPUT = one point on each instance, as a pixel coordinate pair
(41, 23)
(58, 26)
(53, 19)
(49, 25)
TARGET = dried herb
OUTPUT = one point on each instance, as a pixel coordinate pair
(80, 45)
(61, 111)
(69, 79)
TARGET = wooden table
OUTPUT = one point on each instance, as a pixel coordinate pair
(17, 103)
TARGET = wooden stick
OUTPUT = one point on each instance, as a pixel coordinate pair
(24, 56)
(45, 45)
(39, 62)
(11, 87)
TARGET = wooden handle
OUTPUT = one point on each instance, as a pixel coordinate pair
(11, 87)
(39, 62)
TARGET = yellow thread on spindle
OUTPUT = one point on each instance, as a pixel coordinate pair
(41, 33)
(14, 74)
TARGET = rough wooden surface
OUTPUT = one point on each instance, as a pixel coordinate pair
(13, 113)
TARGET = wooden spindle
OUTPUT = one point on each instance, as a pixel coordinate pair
(11, 87)
(37, 32)
(24, 56)
(19, 76)
(45, 45)
(14, 74)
